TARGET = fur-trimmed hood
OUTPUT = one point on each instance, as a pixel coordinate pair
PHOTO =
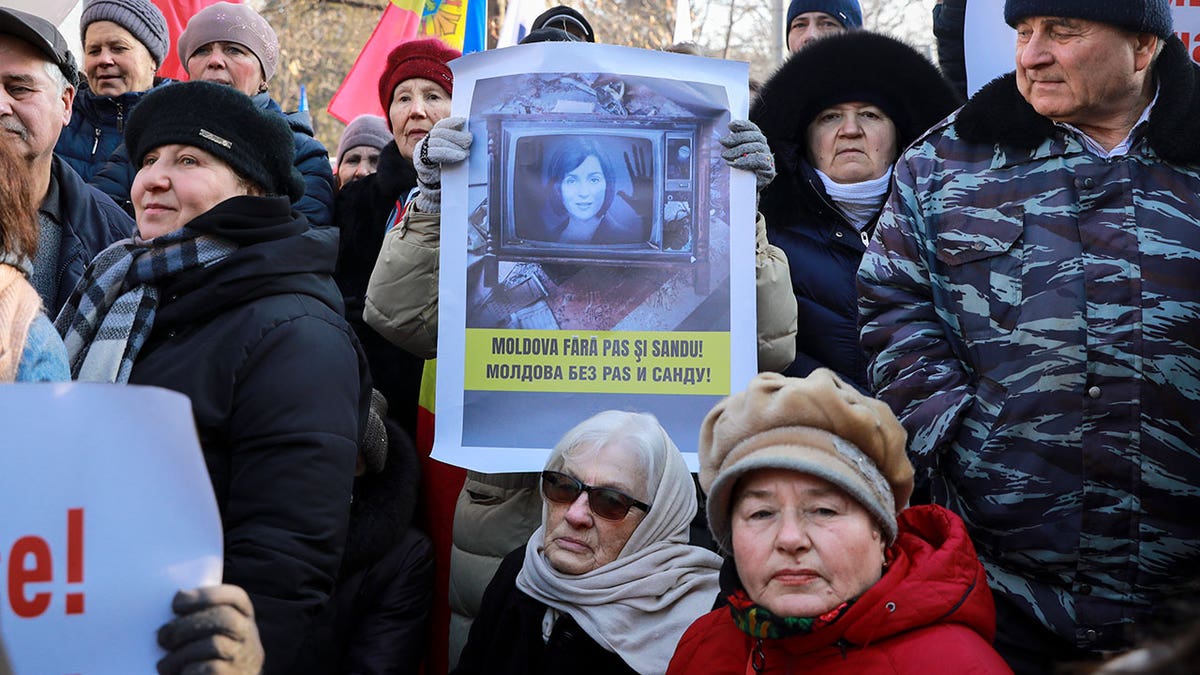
(853, 66)
(998, 114)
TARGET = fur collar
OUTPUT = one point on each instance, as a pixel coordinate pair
(997, 114)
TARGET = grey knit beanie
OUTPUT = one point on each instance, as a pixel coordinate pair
(1139, 16)
(141, 18)
(368, 130)
(227, 22)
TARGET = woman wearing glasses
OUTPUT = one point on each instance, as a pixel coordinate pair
(608, 583)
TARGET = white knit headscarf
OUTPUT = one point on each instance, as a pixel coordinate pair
(639, 605)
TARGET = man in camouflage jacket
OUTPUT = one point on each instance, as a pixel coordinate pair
(1031, 307)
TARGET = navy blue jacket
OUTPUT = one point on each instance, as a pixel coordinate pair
(97, 128)
(823, 251)
(311, 160)
(90, 223)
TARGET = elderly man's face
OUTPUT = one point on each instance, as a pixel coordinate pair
(33, 110)
(1084, 73)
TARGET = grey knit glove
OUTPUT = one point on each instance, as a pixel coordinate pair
(746, 148)
(446, 143)
(213, 632)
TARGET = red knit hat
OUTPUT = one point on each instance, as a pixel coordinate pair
(417, 58)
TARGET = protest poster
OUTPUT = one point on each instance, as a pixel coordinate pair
(990, 43)
(108, 511)
(596, 253)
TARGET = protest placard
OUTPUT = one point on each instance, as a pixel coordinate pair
(108, 511)
(597, 253)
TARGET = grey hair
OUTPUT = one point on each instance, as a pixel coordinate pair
(640, 433)
(56, 76)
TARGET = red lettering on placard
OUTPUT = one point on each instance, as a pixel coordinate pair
(75, 559)
(30, 562)
(20, 574)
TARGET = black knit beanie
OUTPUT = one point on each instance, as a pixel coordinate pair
(257, 144)
(1139, 16)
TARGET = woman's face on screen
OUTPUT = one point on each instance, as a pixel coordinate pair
(583, 189)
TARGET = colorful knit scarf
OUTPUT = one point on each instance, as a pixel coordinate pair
(110, 313)
(758, 621)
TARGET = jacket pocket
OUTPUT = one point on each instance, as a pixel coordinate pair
(983, 260)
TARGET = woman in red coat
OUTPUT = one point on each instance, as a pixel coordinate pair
(804, 480)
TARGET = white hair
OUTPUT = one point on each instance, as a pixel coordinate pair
(640, 433)
(56, 76)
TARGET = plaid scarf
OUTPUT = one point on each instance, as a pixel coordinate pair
(110, 313)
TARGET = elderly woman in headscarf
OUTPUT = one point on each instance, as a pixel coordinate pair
(225, 295)
(233, 45)
(837, 115)
(124, 43)
(807, 481)
(608, 583)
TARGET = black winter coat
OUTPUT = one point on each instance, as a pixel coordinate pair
(506, 637)
(279, 392)
(380, 607)
(361, 214)
(115, 178)
(91, 222)
(823, 251)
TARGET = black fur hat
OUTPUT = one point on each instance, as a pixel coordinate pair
(257, 144)
(857, 66)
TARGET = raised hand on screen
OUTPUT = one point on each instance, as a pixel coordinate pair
(448, 142)
(641, 198)
(746, 148)
(213, 632)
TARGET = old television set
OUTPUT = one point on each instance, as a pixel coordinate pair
(582, 189)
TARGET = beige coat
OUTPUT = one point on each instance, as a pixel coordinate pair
(402, 295)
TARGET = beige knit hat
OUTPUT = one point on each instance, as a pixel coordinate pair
(817, 425)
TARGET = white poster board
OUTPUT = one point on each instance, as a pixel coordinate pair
(596, 253)
(108, 511)
(989, 43)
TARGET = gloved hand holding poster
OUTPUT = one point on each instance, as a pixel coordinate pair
(596, 251)
(108, 511)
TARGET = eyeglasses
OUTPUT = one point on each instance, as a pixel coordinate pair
(605, 502)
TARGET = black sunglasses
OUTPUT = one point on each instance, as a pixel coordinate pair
(605, 502)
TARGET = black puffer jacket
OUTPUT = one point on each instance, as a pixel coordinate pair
(380, 607)
(361, 214)
(279, 392)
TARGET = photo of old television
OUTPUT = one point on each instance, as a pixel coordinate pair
(598, 191)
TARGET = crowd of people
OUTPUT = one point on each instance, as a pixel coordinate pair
(972, 446)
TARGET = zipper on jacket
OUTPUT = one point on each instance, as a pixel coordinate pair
(120, 118)
(96, 143)
(843, 644)
(758, 660)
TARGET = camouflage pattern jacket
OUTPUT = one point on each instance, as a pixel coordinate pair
(1032, 314)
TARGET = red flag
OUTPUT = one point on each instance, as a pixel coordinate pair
(359, 93)
(177, 13)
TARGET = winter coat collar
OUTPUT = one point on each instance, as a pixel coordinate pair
(998, 114)
(278, 254)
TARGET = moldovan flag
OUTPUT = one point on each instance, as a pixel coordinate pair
(455, 22)
(177, 14)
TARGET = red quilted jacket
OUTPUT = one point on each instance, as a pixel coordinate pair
(931, 612)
